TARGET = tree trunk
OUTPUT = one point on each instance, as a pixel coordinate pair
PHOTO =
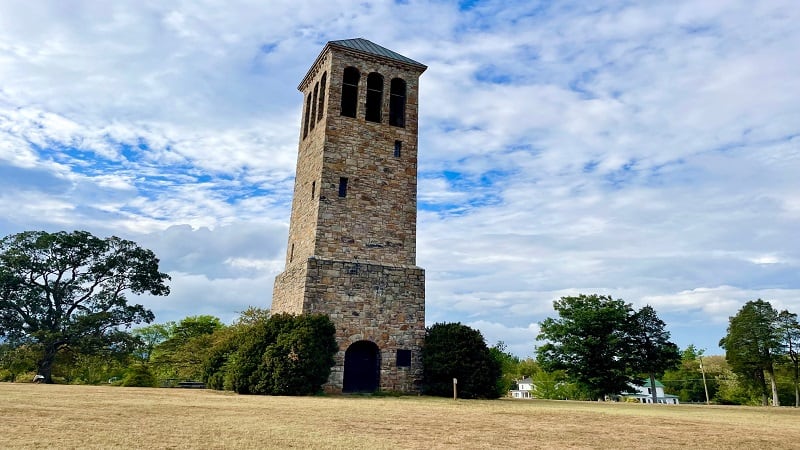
(796, 390)
(775, 400)
(46, 363)
(653, 388)
(762, 384)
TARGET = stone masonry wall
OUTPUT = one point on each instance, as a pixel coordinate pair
(288, 292)
(353, 258)
(305, 203)
(378, 303)
(376, 222)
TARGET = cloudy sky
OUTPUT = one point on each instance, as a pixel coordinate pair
(645, 150)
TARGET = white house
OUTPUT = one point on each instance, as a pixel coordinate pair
(524, 389)
(644, 394)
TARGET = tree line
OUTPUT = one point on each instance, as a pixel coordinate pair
(64, 314)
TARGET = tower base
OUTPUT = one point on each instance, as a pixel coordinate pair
(379, 314)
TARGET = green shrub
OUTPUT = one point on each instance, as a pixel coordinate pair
(453, 350)
(282, 355)
(138, 376)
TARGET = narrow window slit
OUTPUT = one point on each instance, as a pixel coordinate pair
(308, 112)
(314, 107)
(321, 106)
(397, 103)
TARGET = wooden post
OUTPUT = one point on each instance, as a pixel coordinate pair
(455, 392)
(705, 386)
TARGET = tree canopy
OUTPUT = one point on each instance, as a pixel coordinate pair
(686, 379)
(603, 345)
(588, 341)
(789, 330)
(67, 290)
(453, 350)
(186, 347)
(651, 351)
(753, 346)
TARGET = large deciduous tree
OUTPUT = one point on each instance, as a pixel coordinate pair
(651, 351)
(67, 290)
(753, 346)
(588, 341)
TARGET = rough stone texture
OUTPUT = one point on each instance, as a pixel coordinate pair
(378, 303)
(354, 257)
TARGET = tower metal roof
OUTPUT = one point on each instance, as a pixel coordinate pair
(365, 46)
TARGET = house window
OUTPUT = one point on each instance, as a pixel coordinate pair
(374, 97)
(342, 187)
(398, 146)
(308, 111)
(404, 358)
(397, 103)
(313, 188)
(314, 107)
(291, 253)
(321, 105)
(350, 91)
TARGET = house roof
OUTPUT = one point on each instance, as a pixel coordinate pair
(365, 46)
(647, 384)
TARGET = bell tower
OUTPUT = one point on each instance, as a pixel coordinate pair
(352, 236)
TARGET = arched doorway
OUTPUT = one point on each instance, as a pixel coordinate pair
(362, 363)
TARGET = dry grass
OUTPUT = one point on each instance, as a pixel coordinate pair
(41, 416)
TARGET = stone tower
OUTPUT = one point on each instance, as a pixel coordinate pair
(352, 237)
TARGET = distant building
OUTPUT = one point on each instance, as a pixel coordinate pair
(524, 389)
(644, 394)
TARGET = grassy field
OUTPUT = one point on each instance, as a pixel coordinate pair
(55, 416)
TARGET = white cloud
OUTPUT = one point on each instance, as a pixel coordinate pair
(193, 295)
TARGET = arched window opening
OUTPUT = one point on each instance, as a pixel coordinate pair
(374, 97)
(314, 107)
(397, 103)
(350, 91)
(308, 111)
(321, 105)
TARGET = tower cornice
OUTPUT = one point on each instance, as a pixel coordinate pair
(363, 47)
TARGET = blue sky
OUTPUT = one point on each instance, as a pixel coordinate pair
(645, 150)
